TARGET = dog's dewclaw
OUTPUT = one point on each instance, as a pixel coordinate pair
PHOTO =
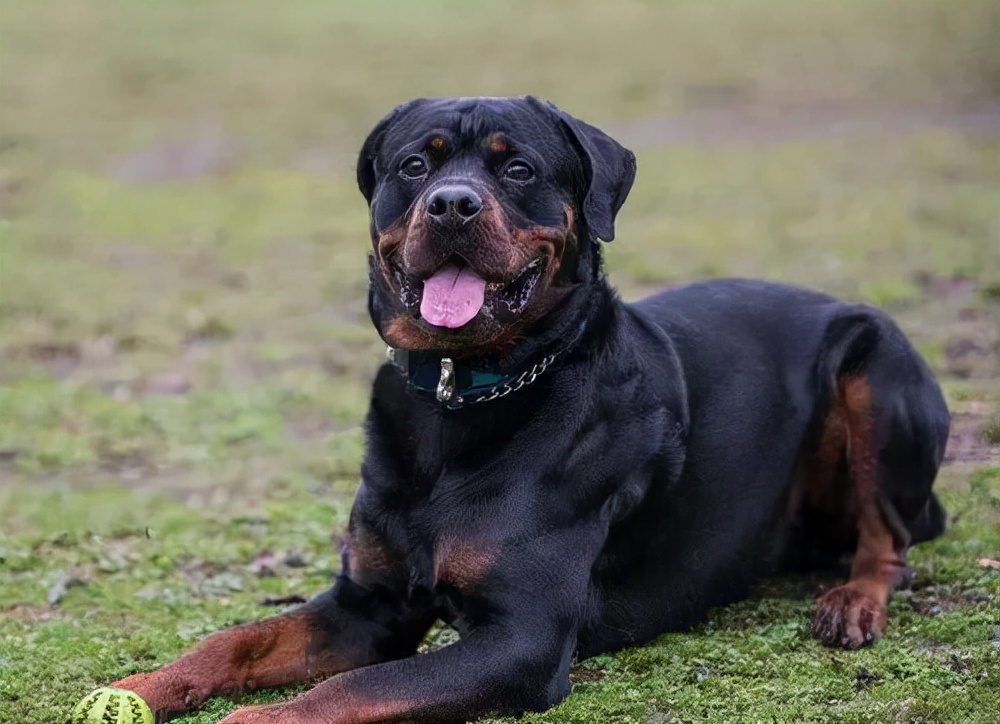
(108, 705)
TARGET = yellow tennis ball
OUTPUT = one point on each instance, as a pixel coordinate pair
(108, 705)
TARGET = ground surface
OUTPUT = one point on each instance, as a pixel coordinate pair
(184, 350)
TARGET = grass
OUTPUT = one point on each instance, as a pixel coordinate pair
(991, 430)
(185, 351)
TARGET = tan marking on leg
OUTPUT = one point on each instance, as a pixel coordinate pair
(821, 467)
(854, 614)
(857, 395)
(274, 652)
(330, 704)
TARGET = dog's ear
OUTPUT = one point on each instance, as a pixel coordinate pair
(609, 169)
(372, 146)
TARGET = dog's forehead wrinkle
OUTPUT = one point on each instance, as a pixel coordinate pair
(474, 119)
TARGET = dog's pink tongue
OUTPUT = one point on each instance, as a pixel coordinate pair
(452, 297)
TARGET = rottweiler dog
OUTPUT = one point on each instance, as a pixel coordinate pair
(556, 473)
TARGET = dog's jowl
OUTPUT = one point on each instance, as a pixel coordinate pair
(556, 473)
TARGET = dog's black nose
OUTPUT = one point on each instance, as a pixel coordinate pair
(454, 204)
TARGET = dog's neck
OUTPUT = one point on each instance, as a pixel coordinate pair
(458, 383)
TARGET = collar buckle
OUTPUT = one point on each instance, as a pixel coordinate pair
(446, 384)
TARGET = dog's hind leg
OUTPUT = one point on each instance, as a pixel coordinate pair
(853, 614)
(885, 430)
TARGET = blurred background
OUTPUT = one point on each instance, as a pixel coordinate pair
(184, 344)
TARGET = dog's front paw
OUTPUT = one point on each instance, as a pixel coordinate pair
(849, 618)
(167, 692)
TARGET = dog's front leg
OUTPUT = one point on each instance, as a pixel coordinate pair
(524, 616)
(343, 628)
(508, 667)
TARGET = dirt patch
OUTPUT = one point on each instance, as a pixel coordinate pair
(966, 441)
(58, 359)
(579, 673)
(935, 600)
(32, 614)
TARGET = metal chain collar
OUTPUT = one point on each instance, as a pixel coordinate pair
(445, 390)
(446, 385)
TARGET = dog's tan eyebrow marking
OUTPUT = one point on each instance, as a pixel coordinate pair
(496, 142)
(437, 147)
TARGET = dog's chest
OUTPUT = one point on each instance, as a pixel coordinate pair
(462, 563)
(433, 552)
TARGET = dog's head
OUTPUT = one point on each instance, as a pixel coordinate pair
(485, 215)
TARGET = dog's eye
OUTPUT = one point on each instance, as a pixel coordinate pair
(518, 171)
(413, 167)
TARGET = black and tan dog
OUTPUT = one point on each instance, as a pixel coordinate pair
(556, 473)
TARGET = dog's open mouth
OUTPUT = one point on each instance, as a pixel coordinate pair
(455, 294)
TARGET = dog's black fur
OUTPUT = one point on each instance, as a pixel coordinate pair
(669, 454)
